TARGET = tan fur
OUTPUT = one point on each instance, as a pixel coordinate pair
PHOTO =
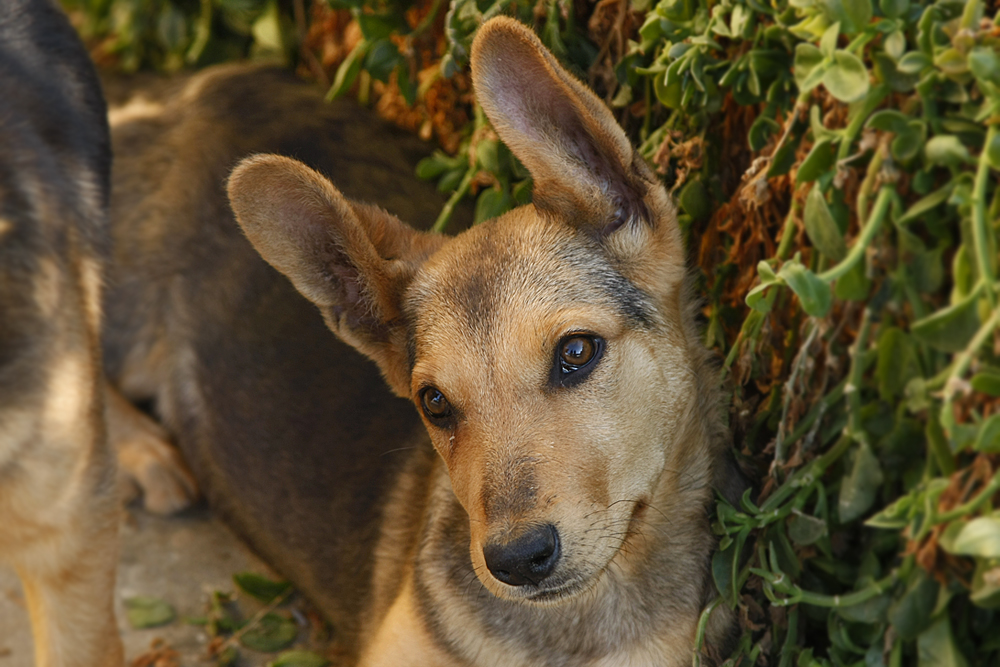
(621, 465)
(58, 501)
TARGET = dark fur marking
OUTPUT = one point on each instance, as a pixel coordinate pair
(511, 491)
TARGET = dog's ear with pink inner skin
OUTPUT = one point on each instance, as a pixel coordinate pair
(352, 260)
(578, 155)
(585, 170)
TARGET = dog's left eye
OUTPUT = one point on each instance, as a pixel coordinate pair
(576, 356)
(435, 405)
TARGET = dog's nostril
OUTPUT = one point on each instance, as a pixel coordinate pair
(527, 559)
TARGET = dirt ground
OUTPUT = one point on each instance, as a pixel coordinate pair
(180, 560)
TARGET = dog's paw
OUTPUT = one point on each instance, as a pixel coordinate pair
(147, 463)
(154, 468)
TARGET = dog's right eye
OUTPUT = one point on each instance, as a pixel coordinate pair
(576, 356)
(435, 405)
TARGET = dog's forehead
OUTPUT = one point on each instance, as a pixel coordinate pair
(513, 272)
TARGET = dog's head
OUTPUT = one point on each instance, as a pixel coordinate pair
(546, 349)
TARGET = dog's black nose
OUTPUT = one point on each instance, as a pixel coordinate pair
(527, 559)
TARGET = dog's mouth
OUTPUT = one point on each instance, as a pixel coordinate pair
(570, 584)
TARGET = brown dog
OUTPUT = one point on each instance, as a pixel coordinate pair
(558, 512)
(58, 500)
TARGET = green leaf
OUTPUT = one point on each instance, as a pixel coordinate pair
(814, 294)
(897, 362)
(914, 62)
(860, 485)
(492, 203)
(819, 160)
(807, 59)
(926, 204)
(907, 144)
(993, 152)
(911, 614)
(821, 228)
(949, 329)
(853, 285)
(936, 646)
(988, 437)
(755, 297)
(869, 611)
(488, 155)
(761, 130)
(987, 381)
(299, 659)
(694, 200)
(260, 587)
(894, 9)
(853, 15)
(268, 35)
(985, 64)
(271, 633)
(847, 79)
(434, 165)
(980, 537)
(948, 151)
(986, 584)
(952, 62)
(893, 517)
(669, 94)
(895, 44)
(722, 571)
(939, 446)
(828, 42)
(805, 530)
(383, 57)
(148, 612)
(889, 120)
(378, 26)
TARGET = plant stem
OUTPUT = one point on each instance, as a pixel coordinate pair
(962, 510)
(885, 195)
(979, 225)
(463, 187)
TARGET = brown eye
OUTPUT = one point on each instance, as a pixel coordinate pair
(435, 405)
(576, 356)
(577, 351)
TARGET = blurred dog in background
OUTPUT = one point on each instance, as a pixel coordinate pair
(59, 505)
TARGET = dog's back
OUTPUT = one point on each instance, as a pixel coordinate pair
(292, 434)
(58, 502)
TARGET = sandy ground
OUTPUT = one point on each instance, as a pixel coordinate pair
(181, 560)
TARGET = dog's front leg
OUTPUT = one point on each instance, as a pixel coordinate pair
(69, 581)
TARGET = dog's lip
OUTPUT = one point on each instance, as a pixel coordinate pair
(564, 590)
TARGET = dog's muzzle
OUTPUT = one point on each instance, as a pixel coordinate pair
(527, 559)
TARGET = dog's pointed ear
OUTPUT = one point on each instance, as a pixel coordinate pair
(352, 260)
(581, 161)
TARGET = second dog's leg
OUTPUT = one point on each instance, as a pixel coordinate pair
(69, 582)
(146, 459)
